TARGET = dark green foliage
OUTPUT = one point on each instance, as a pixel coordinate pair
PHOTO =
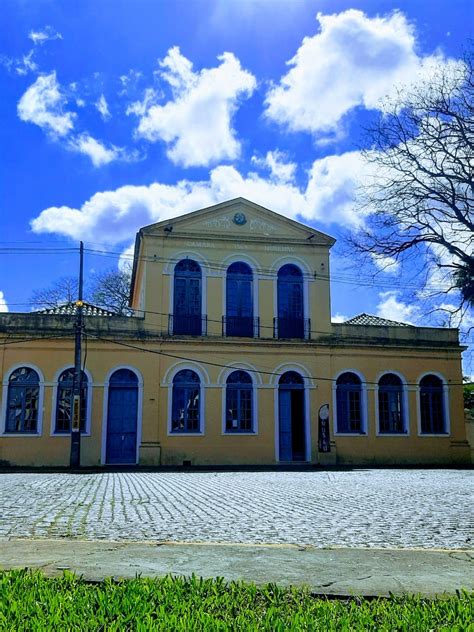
(30, 601)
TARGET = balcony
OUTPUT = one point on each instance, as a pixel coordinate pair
(241, 326)
(292, 328)
(184, 325)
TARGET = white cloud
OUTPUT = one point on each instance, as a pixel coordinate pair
(3, 303)
(391, 307)
(339, 318)
(43, 35)
(352, 61)
(43, 104)
(276, 162)
(98, 153)
(197, 123)
(20, 65)
(140, 108)
(386, 264)
(103, 107)
(118, 214)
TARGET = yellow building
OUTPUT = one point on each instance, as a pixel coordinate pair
(229, 359)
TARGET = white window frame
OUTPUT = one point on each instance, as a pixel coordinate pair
(41, 384)
(255, 287)
(103, 452)
(54, 403)
(364, 406)
(170, 270)
(223, 384)
(307, 278)
(203, 383)
(447, 420)
(405, 403)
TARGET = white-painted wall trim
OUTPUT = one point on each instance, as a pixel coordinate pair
(284, 367)
(447, 418)
(90, 388)
(235, 366)
(6, 378)
(405, 404)
(364, 405)
(103, 454)
(203, 382)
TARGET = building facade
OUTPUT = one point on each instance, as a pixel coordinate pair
(229, 359)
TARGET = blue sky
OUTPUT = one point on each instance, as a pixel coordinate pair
(118, 114)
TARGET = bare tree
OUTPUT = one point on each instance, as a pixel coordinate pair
(111, 290)
(64, 290)
(420, 195)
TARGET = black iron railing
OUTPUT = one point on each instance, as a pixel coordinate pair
(292, 328)
(185, 325)
(243, 326)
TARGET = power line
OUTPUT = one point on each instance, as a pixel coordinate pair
(368, 281)
(260, 326)
(226, 366)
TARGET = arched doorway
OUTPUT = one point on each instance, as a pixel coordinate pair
(122, 416)
(291, 417)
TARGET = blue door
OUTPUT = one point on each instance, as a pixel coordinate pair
(291, 414)
(122, 418)
(239, 308)
(187, 316)
(286, 452)
(290, 302)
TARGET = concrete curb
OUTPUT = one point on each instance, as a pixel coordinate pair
(332, 572)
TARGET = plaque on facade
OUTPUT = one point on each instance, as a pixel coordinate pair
(324, 444)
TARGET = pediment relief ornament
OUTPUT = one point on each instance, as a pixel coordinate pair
(259, 225)
(255, 225)
(224, 221)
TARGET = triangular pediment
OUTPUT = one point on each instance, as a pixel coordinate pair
(241, 218)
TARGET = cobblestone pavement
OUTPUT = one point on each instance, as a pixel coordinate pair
(374, 508)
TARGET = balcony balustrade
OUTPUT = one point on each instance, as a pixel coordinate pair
(243, 326)
(185, 325)
(292, 328)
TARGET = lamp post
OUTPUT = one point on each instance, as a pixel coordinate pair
(75, 457)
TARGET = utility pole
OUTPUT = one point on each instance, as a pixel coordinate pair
(75, 459)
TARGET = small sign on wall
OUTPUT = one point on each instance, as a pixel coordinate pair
(324, 444)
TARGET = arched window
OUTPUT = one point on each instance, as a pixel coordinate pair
(185, 411)
(23, 401)
(239, 303)
(239, 408)
(290, 302)
(64, 401)
(432, 405)
(391, 406)
(349, 403)
(187, 315)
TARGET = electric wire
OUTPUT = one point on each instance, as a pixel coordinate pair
(226, 366)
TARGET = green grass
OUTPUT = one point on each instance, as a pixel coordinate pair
(30, 601)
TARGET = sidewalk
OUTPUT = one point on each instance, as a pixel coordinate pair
(335, 571)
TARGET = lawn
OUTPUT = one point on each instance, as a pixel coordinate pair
(30, 601)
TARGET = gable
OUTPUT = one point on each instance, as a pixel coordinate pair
(240, 218)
